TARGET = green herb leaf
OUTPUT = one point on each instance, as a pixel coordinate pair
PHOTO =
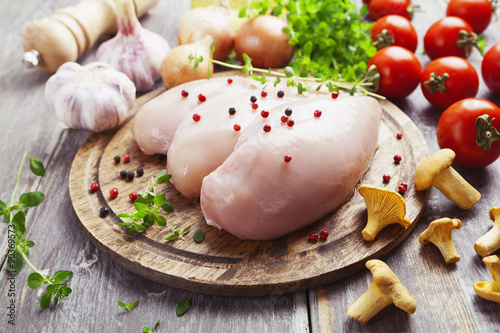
(160, 220)
(35, 280)
(36, 166)
(183, 306)
(160, 199)
(31, 199)
(45, 300)
(140, 207)
(163, 179)
(167, 207)
(123, 215)
(18, 222)
(161, 173)
(15, 264)
(128, 306)
(146, 329)
(62, 277)
(199, 236)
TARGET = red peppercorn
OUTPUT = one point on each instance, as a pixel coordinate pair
(267, 128)
(323, 234)
(317, 113)
(263, 93)
(401, 189)
(404, 185)
(313, 236)
(290, 123)
(399, 135)
(196, 117)
(335, 94)
(264, 114)
(397, 159)
(202, 98)
(126, 158)
(94, 187)
(284, 119)
(133, 196)
(236, 127)
(113, 192)
(386, 178)
(287, 158)
(255, 106)
(184, 93)
(229, 80)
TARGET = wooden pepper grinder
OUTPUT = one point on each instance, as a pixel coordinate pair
(68, 33)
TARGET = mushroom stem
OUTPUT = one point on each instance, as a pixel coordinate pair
(490, 290)
(439, 234)
(490, 242)
(456, 188)
(368, 305)
(447, 249)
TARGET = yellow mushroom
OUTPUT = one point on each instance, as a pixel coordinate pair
(490, 290)
(385, 289)
(439, 234)
(384, 207)
(490, 241)
(436, 170)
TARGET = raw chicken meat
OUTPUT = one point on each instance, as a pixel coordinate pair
(255, 194)
(199, 147)
(155, 124)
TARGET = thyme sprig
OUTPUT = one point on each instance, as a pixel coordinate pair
(14, 213)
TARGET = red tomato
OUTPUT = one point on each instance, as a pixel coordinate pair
(442, 37)
(394, 30)
(399, 71)
(476, 12)
(490, 69)
(379, 8)
(456, 130)
(447, 80)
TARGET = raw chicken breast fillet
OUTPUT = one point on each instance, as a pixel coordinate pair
(199, 147)
(156, 122)
(255, 194)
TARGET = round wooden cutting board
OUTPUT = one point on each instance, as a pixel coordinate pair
(223, 264)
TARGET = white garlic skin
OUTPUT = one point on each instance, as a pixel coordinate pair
(134, 50)
(95, 97)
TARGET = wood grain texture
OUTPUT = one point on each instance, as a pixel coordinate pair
(224, 264)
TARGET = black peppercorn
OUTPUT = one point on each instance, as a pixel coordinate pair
(123, 174)
(288, 112)
(130, 175)
(117, 159)
(140, 172)
(232, 111)
(253, 99)
(281, 94)
(103, 212)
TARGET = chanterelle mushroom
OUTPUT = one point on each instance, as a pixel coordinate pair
(490, 241)
(490, 290)
(385, 289)
(436, 170)
(384, 207)
(439, 234)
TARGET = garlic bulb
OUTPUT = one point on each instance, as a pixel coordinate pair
(134, 50)
(177, 68)
(209, 21)
(95, 97)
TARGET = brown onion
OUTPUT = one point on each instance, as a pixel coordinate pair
(262, 38)
(176, 68)
(209, 21)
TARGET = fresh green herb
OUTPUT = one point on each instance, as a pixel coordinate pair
(148, 207)
(199, 236)
(177, 233)
(14, 213)
(128, 306)
(148, 330)
(183, 306)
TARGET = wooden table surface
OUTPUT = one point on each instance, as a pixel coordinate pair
(444, 294)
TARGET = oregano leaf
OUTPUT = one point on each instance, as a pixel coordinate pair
(37, 167)
(199, 236)
(35, 280)
(31, 199)
(183, 306)
(45, 300)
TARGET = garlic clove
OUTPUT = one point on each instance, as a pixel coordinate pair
(95, 97)
(135, 51)
(177, 68)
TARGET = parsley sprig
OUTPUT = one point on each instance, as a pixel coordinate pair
(14, 213)
(148, 207)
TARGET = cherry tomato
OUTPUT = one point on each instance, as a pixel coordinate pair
(447, 80)
(476, 12)
(444, 38)
(490, 69)
(399, 71)
(394, 30)
(456, 130)
(379, 8)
